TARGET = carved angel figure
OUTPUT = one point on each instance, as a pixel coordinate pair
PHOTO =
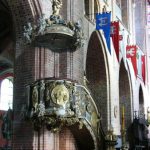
(41, 25)
(57, 4)
(35, 97)
(41, 109)
(28, 32)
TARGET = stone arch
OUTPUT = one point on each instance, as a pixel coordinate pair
(125, 99)
(6, 26)
(6, 93)
(67, 140)
(6, 62)
(80, 134)
(98, 75)
(141, 100)
(6, 39)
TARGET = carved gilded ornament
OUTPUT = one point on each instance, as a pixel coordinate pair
(56, 6)
(35, 97)
(42, 32)
(59, 103)
(94, 120)
(60, 95)
(40, 109)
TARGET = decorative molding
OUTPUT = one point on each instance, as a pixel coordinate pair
(54, 32)
(58, 103)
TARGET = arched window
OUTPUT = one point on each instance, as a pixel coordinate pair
(91, 8)
(95, 8)
(86, 4)
(6, 94)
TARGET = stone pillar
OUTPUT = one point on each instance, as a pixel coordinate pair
(33, 63)
(110, 140)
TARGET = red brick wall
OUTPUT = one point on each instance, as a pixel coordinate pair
(3, 142)
(66, 140)
(124, 94)
(141, 101)
(35, 63)
(96, 75)
(24, 71)
(45, 140)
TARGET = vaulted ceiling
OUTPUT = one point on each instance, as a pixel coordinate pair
(6, 38)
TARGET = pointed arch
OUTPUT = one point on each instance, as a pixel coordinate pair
(6, 94)
(141, 100)
(125, 96)
(97, 72)
(96, 6)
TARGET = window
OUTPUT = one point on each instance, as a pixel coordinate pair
(6, 94)
(91, 8)
(86, 3)
(95, 8)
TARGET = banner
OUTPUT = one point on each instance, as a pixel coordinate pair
(131, 53)
(103, 23)
(143, 68)
(115, 37)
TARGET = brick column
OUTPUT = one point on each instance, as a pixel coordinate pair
(32, 63)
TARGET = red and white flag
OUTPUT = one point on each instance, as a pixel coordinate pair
(131, 51)
(115, 37)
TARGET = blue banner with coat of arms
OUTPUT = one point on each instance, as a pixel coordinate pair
(103, 22)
